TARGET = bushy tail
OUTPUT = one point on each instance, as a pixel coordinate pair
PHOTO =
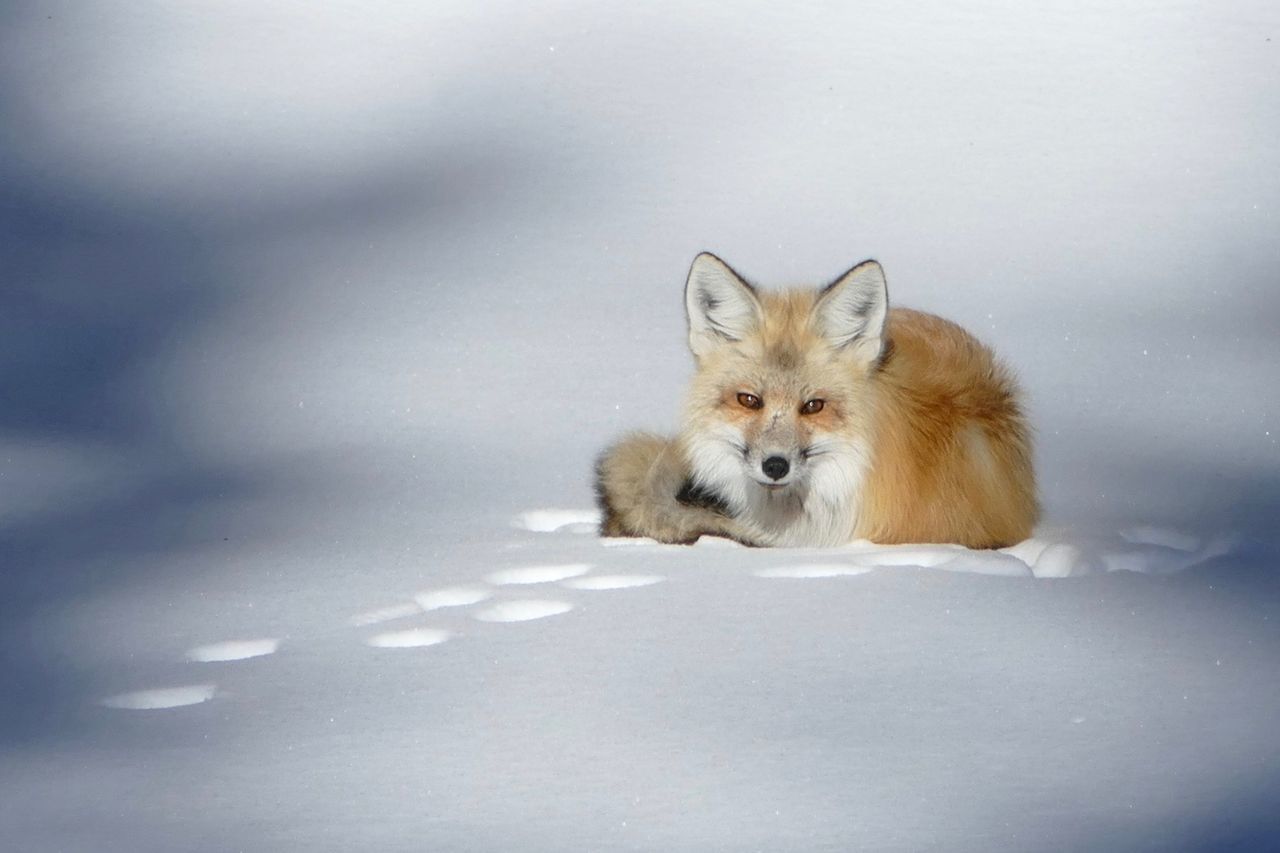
(638, 481)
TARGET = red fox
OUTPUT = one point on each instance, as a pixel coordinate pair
(818, 417)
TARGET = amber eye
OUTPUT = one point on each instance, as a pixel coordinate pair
(812, 407)
(749, 401)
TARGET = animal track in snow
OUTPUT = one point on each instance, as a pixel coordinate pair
(538, 574)
(233, 650)
(553, 520)
(1148, 535)
(814, 570)
(613, 581)
(412, 638)
(1159, 559)
(523, 610)
(1144, 549)
(454, 596)
(1012, 562)
(164, 697)
(384, 614)
(862, 558)
(433, 599)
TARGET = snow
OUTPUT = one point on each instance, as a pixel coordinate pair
(455, 596)
(538, 574)
(523, 610)
(161, 697)
(613, 581)
(233, 650)
(411, 638)
(314, 320)
(385, 614)
(551, 520)
(812, 570)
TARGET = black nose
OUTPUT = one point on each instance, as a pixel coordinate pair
(775, 467)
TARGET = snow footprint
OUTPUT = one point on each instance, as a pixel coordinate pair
(538, 574)
(1164, 559)
(426, 601)
(1146, 534)
(233, 650)
(863, 559)
(569, 575)
(556, 520)
(384, 614)
(523, 610)
(192, 694)
(410, 639)
(163, 697)
(453, 596)
(598, 582)
(1144, 549)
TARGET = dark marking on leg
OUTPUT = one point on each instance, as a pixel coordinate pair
(693, 495)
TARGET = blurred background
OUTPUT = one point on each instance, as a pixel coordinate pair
(251, 252)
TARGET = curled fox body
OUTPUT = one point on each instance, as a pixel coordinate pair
(821, 416)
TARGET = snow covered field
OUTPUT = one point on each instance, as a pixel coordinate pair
(313, 319)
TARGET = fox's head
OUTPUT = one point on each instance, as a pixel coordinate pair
(777, 417)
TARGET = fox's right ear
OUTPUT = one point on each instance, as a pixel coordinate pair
(851, 311)
(721, 306)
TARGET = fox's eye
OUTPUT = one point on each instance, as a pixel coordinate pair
(812, 407)
(749, 401)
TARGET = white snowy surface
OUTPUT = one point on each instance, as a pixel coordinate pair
(600, 582)
(408, 639)
(454, 596)
(233, 650)
(526, 575)
(161, 697)
(523, 610)
(315, 317)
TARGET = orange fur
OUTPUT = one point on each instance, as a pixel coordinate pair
(918, 437)
(941, 400)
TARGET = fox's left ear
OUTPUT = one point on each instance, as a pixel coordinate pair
(850, 311)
